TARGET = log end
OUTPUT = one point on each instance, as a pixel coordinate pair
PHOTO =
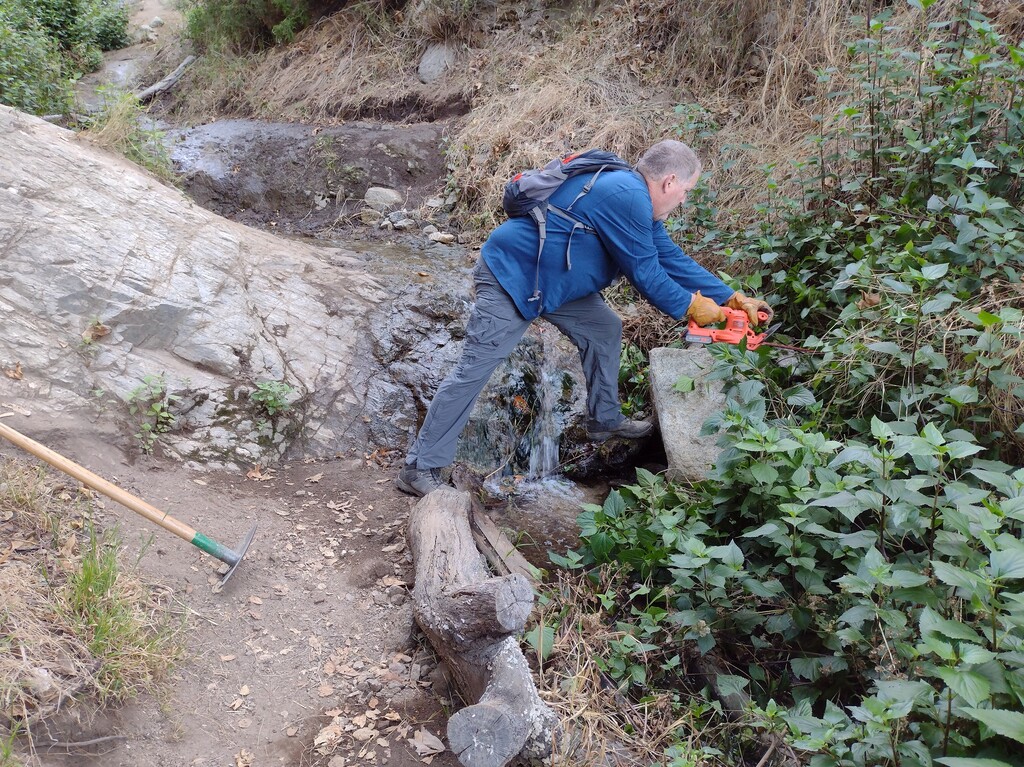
(485, 736)
(513, 603)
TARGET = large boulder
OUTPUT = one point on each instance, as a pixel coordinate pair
(681, 414)
(115, 284)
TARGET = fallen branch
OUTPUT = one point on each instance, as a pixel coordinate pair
(167, 83)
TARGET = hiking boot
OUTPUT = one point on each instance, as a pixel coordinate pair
(625, 429)
(418, 481)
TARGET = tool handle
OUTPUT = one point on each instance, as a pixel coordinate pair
(97, 482)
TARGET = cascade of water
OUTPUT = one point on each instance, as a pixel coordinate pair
(545, 433)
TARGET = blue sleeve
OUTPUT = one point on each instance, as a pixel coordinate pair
(686, 272)
(625, 223)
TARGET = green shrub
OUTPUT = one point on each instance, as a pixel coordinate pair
(242, 27)
(107, 22)
(857, 553)
(45, 44)
(32, 74)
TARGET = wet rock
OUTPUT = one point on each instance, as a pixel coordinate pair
(445, 238)
(681, 415)
(405, 224)
(437, 59)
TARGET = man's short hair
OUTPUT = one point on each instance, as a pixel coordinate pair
(668, 157)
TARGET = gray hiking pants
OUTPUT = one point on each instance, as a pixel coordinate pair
(495, 327)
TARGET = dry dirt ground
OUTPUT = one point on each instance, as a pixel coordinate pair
(308, 656)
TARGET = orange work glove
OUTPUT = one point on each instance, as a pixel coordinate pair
(749, 305)
(704, 311)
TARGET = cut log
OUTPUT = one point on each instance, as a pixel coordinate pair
(471, 619)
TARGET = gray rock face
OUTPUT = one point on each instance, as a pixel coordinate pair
(681, 415)
(207, 306)
(383, 199)
(437, 59)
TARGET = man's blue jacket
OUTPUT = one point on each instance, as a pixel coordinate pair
(576, 263)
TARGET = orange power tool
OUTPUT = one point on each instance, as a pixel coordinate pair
(735, 329)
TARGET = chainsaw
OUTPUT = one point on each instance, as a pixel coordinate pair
(735, 328)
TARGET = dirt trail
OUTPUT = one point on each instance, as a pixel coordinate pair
(316, 623)
(123, 68)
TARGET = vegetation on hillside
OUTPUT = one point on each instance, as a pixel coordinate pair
(45, 45)
(75, 623)
(855, 561)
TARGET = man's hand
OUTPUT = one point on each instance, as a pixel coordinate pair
(704, 311)
(749, 305)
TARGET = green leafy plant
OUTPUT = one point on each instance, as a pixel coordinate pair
(33, 75)
(633, 380)
(237, 26)
(272, 396)
(857, 552)
(152, 403)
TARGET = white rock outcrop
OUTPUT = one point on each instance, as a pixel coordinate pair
(88, 239)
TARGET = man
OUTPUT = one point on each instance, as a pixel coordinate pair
(624, 214)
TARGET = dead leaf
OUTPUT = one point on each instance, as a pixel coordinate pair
(236, 704)
(227, 658)
(244, 758)
(868, 300)
(15, 372)
(425, 743)
(364, 734)
(315, 477)
(258, 474)
(256, 600)
(68, 549)
(325, 690)
(291, 732)
(244, 691)
(94, 331)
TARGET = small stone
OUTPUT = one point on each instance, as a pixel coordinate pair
(398, 215)
(434, 202)
(445, 238)
(405, 224)
(430, 229)
(156, 22)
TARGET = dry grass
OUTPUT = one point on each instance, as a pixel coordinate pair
(600, 724)
(74, 624)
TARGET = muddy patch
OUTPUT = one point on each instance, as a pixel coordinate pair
(304, 179)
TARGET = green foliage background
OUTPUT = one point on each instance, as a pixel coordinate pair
(857, 553)
(46, 44)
